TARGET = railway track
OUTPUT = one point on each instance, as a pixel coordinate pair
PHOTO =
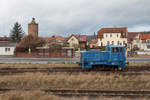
(73, 70)
(136, 68)
(87, 92)
(131, 70)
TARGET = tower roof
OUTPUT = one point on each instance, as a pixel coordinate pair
(33, 21)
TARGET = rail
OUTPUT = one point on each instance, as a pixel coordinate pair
(86, 92)
(73, 70)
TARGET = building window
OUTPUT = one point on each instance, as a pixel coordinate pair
(81, 39)
(112, 43)
(101, 43)
(118, 43)
(137, 41)
(117, 35)
(108, 42)
(7, 49)
(148, 46)
(106, 35)
(124, 43)
(110, 35)
(148, 41)
(135, 46)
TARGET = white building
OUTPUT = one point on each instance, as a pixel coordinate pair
(73, 40)
(77, 40)
(7, 48)
(112, 36)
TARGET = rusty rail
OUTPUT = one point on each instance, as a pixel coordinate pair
(86, 92)
(73, 70)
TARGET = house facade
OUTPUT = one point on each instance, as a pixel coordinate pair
(134, 41)
(112, 36)
(145, 41)
(93, 44)
(55, 39)
(73, 41)
(77, 41)
(7, 48)
(55, 47)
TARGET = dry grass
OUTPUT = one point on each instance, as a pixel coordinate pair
(140, 64)
(29, 65)
(39, 95)
(32, 95)
(81, 81)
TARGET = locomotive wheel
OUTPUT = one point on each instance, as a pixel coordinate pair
(125, 69)
(87, 70)
(114, 69)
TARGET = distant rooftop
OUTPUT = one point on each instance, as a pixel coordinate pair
(7, 44)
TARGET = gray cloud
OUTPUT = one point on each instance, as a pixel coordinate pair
(75, 16)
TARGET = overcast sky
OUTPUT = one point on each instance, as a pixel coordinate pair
(64, 17)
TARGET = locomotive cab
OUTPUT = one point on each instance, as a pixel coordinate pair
(113, 57)
(117, 56)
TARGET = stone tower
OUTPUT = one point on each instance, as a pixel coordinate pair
(33, 28)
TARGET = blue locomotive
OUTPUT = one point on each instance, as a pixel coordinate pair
(113, 57)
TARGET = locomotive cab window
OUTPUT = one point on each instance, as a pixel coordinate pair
(115, 50)
(121, 50)
(108, 49)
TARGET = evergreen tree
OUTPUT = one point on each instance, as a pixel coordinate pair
(16, 33)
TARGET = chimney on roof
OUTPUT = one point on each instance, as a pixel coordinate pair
(115, 28)
(33, 28)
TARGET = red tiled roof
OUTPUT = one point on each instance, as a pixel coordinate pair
(5, 39)
(48, 39)
(112, 30)
(70, 37)
(81, 38)
(131, 35)
(58, 37)
(144, 37)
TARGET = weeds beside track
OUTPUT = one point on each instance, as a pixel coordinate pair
(73, 70)
(81, 92)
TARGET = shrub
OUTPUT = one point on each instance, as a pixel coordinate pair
(29, 42)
